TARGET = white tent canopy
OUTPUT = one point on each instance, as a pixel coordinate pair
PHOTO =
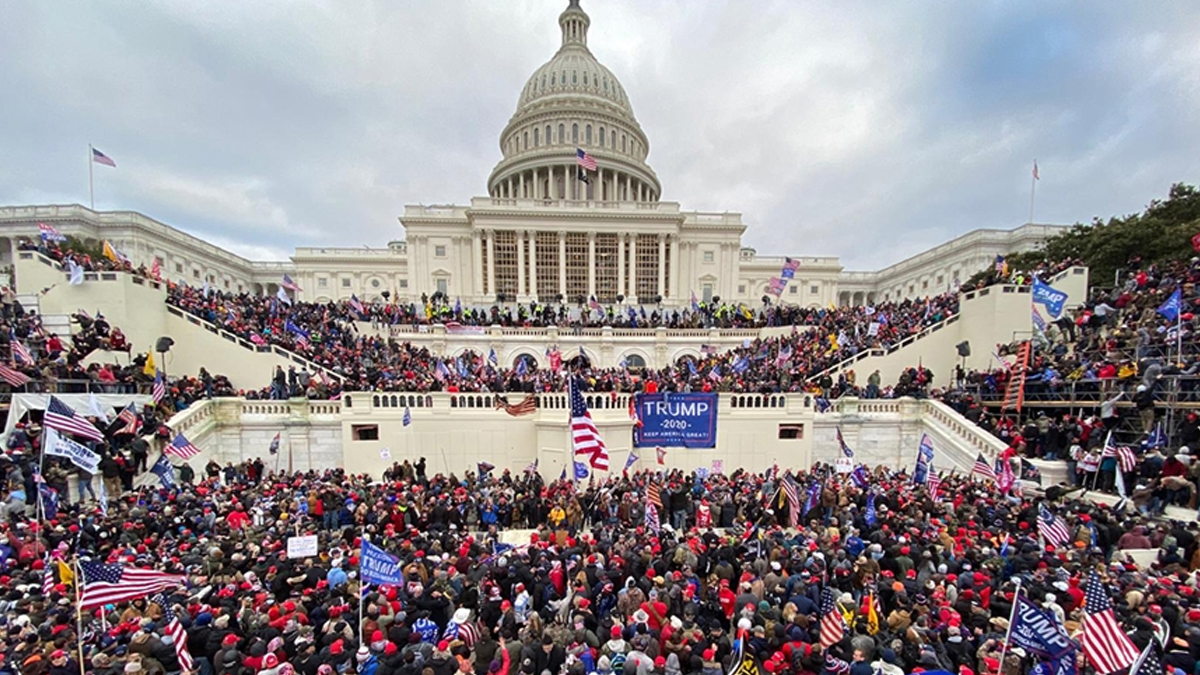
(80, 403)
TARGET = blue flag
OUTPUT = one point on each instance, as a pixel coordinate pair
(49, 499)
(1038, 322)
(522, 369)
(633, 458)
(407, 416)
(813, 498)
(581, 470)
(1053, 299)
(924, 460)
(860, 477)
(377, 566)
(1038, 631)
(1173, 307)
(869, 514)
(492, 358)
(1157, 437)
(842, 442)
(165, 472)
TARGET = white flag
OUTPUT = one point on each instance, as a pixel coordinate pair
(74, 273)
(98, 410)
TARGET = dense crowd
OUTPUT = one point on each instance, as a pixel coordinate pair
(330, 337)
(922, 582)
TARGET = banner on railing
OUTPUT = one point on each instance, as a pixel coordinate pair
(676, 421)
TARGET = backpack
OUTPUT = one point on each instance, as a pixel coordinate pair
(617, 661)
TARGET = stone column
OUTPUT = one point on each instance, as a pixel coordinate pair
(628, 188)
(633, 293)
(673, 282)
(491, 256)
(662, 241)
(591, 264)
(476, 264)
(521, 186)
(520, 265)
(562, 263)
(621, 263)
(533, 283)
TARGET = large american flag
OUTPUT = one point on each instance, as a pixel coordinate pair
(793, 500)
(653, 494)
(983, 468)
(105, 584)
(527, 406)
(129, 416)
(585, 438)
(47, 577)
(934, 485)
(177, 633)
(182, 448)
(20, 352)
(1052, 528)
(1124, 454)
(585, 160)
(13, 376)
(60, 417)
(833, 624)
(652, 520)
(1105, 643)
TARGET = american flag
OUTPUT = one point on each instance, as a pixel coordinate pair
(177, 633)
(60, 417)
(1124, 454)
(982, 468)
(289, 284)
(1004, 475)
(527, 406)
(934, 486)
(633, 413)
(1149, 663)
(595, 305)
(661, 453)
(12, 376)
(48, 577)
(182, 448)
(48, 233)
(1052, 528)
(793, 500)
(357, 305)
(652, 520)
(654, 494)
(533, 467)
(20, 352)
(833, 624)
(101, 158)
(585, 160)
(1105, 643)
(274, 447)
(129, 416)
(156, 271)
(842, 442)
(105, 584)
(159, 391)
(585, 438)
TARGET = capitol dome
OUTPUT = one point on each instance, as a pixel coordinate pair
(574, 103)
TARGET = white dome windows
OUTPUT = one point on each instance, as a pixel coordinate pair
(562, 133)
(602, 143)
(587, 135)
(574, 133)
(537, 137)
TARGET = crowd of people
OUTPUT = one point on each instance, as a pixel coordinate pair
(919, 581)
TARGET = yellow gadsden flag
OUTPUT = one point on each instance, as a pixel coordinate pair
(149, 369)
(65, 575)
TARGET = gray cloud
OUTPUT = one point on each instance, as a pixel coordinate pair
(866, 130)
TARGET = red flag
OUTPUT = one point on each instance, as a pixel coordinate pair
(1196, 242)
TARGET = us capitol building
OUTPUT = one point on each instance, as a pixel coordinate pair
(548, 230)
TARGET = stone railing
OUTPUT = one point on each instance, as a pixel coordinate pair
(883, 351)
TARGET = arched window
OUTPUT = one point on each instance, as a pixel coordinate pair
(548, 141)
(574, 133)
(635, 361)
(602, 143)
(537, 137)
(525, 140)
(562, 133)
(553, 79)
(574, 77)
(587, 135)
(585, 79)
(622, 142)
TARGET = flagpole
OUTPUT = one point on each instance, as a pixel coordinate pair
(91, 184)
(1032, 190)
(1012, 613)
(361, 585)
(78, 582)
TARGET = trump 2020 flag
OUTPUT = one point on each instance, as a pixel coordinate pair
(1050, 297)
(378, 566)
(924, 460)
(1039, 631)
(1172, 308)
(165, 472)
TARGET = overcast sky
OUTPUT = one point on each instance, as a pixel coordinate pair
(866, 130)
